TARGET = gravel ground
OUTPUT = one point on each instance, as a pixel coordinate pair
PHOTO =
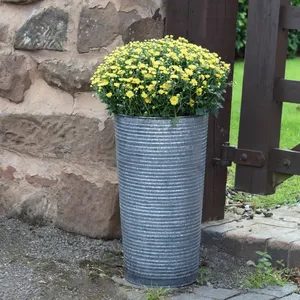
(46, 263)
(224, 271)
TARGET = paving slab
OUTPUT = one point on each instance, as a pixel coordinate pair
(280, 248)
(276, 221)
(278, 235)
(292, 297)
(190, 297)
(277, 291)
(219, 294)
(252, 296)
(133, 295)
(294, 255)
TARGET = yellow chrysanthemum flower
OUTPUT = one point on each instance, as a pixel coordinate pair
(109, 95)
(189, 72)
(194, 82)
(129, 94)
(136, 81)
(144, 95)
(148, 100)
(174, 100)
(104, 83)
(150, 87)
(199, 91)
(192, 67)
(191, 103)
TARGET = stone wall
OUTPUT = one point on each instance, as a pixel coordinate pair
(57, 156)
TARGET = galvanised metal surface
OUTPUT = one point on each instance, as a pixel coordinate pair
(161, 177)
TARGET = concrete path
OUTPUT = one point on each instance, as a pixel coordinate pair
(278, 235)
(209, 293)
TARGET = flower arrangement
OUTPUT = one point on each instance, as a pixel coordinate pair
(161, 78)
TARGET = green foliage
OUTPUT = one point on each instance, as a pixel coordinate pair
(294, 35)
(266, 274)
(156, 293)
(241, 31)
(204, 276)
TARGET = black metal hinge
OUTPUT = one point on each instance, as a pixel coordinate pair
(230, 154)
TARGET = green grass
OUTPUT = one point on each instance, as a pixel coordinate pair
(156, 293)
(289, 191)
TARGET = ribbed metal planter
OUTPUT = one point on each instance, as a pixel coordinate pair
(161, 176)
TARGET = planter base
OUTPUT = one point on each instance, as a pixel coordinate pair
(171, 283)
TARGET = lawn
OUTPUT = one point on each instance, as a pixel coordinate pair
(289, 191)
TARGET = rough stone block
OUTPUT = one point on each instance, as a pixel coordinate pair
(3, 32)
(46, 30)
(72, 138)
(76, 198)
(15, 76)
(84, 207)
(98, 27)
(143, 30)
(68, 77)
(20, 1)
(8, 173)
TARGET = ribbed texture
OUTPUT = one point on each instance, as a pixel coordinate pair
(161, 176)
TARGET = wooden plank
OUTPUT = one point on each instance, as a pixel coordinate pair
(212, 24)
(290, 17)
(285, 161)
(177, 17)
(260, 114)
(287, 91)
(279, 178)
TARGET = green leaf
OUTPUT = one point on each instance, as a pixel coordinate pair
(174, 121)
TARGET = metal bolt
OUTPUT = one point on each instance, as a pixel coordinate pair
(287, 163)
(244, 157)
